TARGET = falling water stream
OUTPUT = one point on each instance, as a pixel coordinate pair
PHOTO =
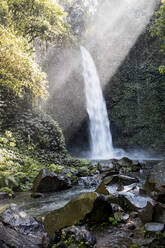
(101, 145)
(100, 135)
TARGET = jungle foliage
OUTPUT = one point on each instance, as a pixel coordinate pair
(158, 29)
(21, 23)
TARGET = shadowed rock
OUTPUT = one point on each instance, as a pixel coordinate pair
(79, 234)
(47, 181)
(17, 229)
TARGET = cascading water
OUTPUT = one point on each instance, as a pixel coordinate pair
(101, 146)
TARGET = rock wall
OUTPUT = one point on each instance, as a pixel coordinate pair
(136, 98)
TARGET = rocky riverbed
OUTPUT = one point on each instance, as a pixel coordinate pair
(124, 207)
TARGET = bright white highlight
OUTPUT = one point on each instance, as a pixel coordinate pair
(101, 138)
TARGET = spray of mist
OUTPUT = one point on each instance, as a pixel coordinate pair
(115, 27)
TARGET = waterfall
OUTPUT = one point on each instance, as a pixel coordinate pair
(101, 146)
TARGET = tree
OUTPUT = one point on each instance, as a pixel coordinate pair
(18, 70)
(42, 19)
(21, 22)
(158, 29)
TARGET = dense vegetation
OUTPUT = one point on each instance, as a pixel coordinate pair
(158, 29)
(32, 145)
(21, 23)
(23, 132)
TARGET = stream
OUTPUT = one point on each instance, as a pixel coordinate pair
(52, 201)
(40, 206)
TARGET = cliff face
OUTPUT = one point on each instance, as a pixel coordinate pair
(136, 98)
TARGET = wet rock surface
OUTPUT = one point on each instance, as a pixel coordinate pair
(120, 179)
(17, 229)
(113, 216)
(3, 196)
(48, 181)
(154, 227)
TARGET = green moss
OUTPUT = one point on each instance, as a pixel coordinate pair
(134, 246)
(84, 171)
(73, 170)
(56, 168)
(7, 190)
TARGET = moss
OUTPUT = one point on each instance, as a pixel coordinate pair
(73, 170)
(8, 191)
(56, 168)
(84, 171)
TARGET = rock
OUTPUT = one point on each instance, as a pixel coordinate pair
(21, 230)
(134, 165)
(47, 181)
(125, 180)
(161, 198)
(133, 214)
(154, 227)
(4, 196)
(79, 234)
(102, 189)
(156, 179)
(89, 181)
(146, 213)
(88, 207)
(159, 213)
(6, 193)
(131, 201)
(131, 226)
(37, 195)
(125, 217)
(104, 166)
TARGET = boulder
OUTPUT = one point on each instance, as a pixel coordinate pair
(159, 213)
(120, 179)
(146, 213)
(37, 195)
(17, 229)
(47, 181)
(89, 181)
(104, 166)
(156, 180)
(154, 227)
(4, 196)
(79, 234)
(102, 189)
(88, 207)
(133, 165)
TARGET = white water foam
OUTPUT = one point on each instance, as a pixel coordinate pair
(101, 146)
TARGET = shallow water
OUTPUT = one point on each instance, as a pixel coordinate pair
(40, 206)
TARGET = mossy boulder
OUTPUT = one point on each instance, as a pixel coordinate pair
(88, 207)
(102, 189)
(76, 236)
(47, 181)
(5, 193)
